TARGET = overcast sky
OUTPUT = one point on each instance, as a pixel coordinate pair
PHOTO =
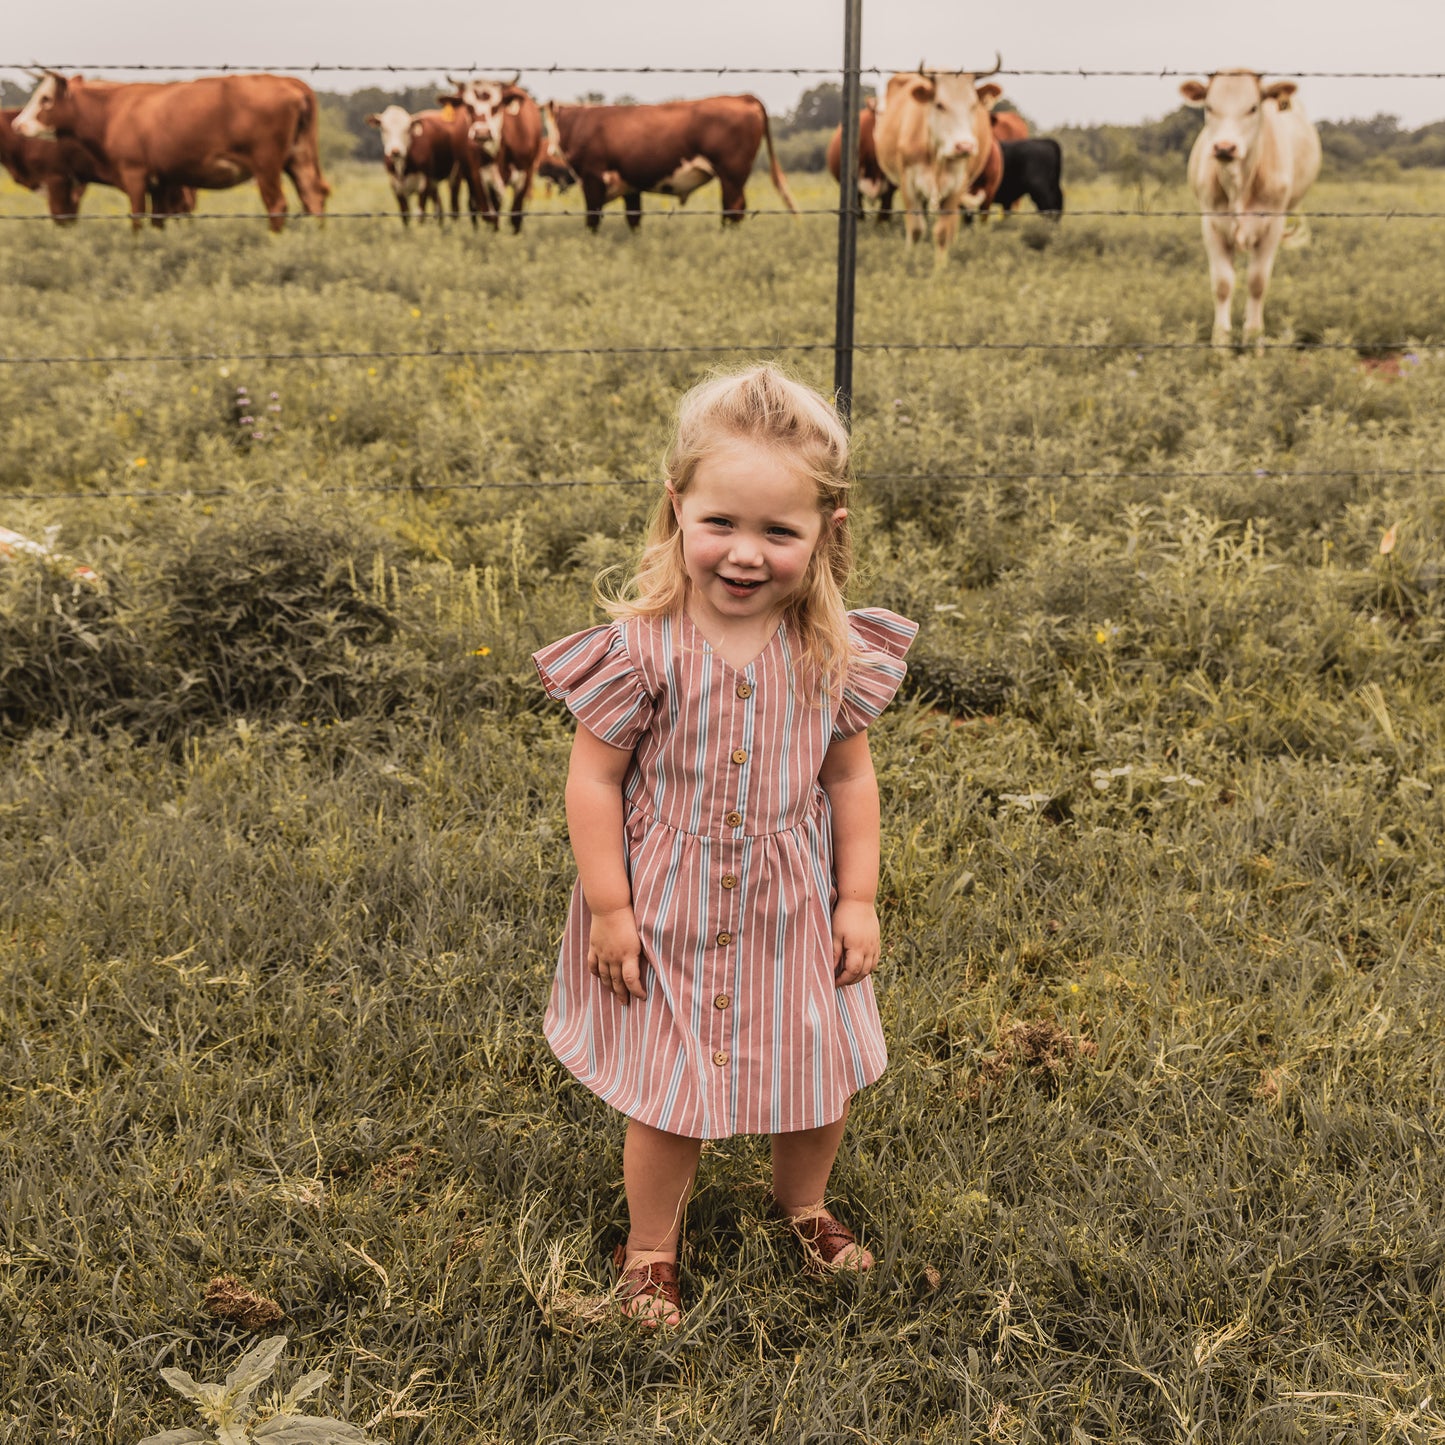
(1278, 37)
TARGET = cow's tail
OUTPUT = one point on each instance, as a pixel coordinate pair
(307, 136)
(780, 181)
(1296, 233)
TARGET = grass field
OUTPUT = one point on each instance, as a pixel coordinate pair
(1158, 1157)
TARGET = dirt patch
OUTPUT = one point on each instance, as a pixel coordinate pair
(1042, 1049)
(228, 1299)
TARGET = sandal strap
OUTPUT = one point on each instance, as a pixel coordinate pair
(657, 1280)
(817, 1231)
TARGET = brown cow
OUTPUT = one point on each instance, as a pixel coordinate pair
(211, 134)
(506, 136)
(420, 150)
(1008, 125)
(670, 149)
(936, 144)
(65, 168)
(872, 183)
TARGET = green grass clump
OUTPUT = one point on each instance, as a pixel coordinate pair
(281, 827)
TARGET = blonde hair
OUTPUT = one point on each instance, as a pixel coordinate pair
(761, 404)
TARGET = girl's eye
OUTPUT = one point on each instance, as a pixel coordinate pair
(717, 521)
(782, 532)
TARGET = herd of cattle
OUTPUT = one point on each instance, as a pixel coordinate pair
(935, 136)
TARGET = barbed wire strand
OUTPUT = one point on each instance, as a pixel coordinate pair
(679, 214)
(421, 488)
(462, 353)
(476, 68)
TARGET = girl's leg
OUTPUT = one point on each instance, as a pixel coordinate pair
(802, 1162)
(657, 1172)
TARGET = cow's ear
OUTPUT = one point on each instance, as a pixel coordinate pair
(1194, 91)
(1282, 92)
(416, 127)
(923, 90)
(374, 120)
(988, 92)
(453, 99)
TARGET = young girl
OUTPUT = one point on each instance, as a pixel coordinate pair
(723, 811)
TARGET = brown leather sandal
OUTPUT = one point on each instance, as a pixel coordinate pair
(823, 1239)
(657, 1281)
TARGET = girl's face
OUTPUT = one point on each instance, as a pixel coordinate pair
(749, 524)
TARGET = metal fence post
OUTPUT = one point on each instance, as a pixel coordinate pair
(848, 212)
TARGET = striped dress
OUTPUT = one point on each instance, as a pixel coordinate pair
(730, 854)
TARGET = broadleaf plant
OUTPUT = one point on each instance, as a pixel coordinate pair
(229, 1411)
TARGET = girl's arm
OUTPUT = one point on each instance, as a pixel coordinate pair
(594, 823)
(848, 778)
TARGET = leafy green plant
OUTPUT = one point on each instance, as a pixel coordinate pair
(230, 1412)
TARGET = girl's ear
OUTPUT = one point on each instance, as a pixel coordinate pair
(841, 515)
(672, 497)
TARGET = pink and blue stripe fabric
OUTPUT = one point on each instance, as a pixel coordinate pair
(729, 845)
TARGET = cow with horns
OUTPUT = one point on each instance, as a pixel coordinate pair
(207, 134)
(506, 139)
(1254, 160)
(936, 144)
(670, 149)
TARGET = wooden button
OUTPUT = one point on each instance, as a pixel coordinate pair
(745, 689)
(721, 1001)
(720, 1058)
(733, 819)
(723, 939)
(730, 880)
(740, 756)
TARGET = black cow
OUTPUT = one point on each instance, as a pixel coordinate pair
(1031, 168)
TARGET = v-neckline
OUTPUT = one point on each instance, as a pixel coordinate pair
(731, 666)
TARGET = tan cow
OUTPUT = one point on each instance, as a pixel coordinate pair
(935, 142)
(1254, 160)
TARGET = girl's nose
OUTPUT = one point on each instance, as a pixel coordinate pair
(746, 552)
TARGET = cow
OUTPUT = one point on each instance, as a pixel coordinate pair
(506, 136)
(670, 149)
(1254, 160)
(872, 183)
(208, 134)
(65, 168)
(935, 143)
(1008, 125)
(1032, 168)
(421, 150)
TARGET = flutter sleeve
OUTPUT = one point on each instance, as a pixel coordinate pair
(876, 671)
(595, 676)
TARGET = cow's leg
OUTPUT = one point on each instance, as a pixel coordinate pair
(632, 204)
(1261, 265)
(594, 195)
(946, 227)
(268, 182)
(454, 187)
(914, 223)
(133, 182)
(430, 193)
(403, 205)
(734, 198)
(885, 206)
(521, 189)
(63, 198)
(1219, 247)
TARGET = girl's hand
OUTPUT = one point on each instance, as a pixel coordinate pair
(855, 941)
(614, 953)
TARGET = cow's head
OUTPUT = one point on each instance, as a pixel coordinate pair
(1233, 103)
(486, 100)
(956, 103)
(49, 106)
(397, 128)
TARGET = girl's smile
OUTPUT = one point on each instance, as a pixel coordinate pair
(750, 522)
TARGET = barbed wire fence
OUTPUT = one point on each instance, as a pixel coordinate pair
(847, 214)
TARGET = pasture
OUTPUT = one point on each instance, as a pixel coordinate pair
(1158, 1157)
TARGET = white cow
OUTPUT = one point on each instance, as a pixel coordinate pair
(1254, 160)
(935, 143)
